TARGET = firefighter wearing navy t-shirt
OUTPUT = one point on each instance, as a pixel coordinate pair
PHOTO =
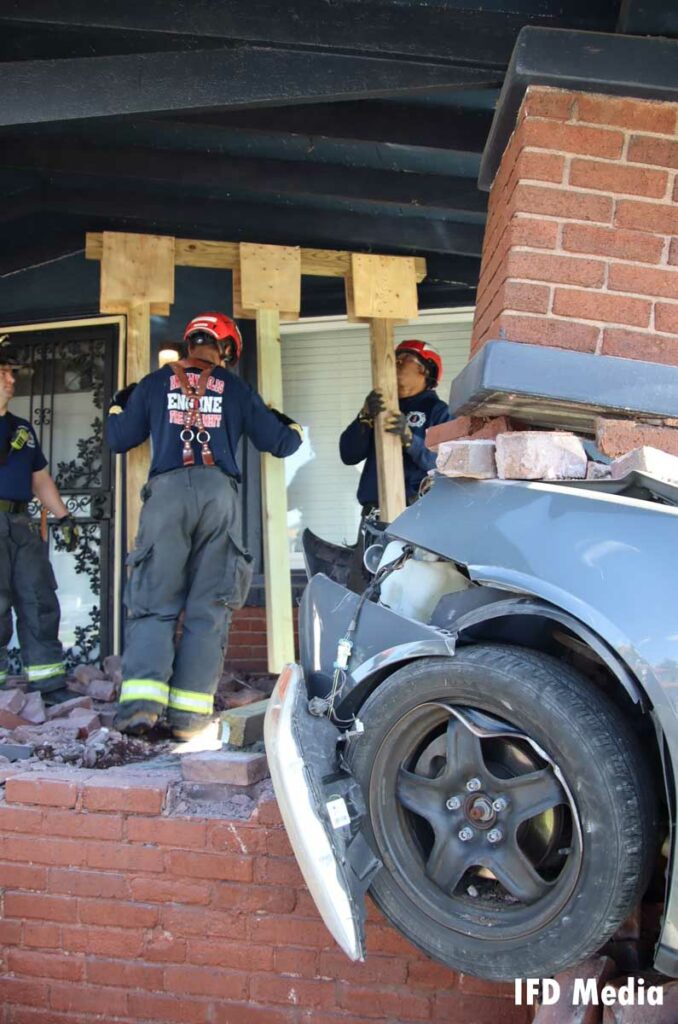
(418, 369)
(188, 553)
(27, 581)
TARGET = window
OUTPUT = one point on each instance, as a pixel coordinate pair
(326, 375)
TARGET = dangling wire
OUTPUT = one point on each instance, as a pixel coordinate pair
(325, 705)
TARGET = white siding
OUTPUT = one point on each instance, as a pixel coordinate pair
(326, 375)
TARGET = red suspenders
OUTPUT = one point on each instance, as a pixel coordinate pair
(193, 417)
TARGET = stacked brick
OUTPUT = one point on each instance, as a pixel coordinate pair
(247, 651)
(579, 250)
(115, 909)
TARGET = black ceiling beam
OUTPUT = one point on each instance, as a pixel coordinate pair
(648, 17)
(616, 65)
(196, 137)
(460, 33)
(396, 122)
(20, 204)
(34, 242)
(34, 92)
(240, 176)
(282, 224)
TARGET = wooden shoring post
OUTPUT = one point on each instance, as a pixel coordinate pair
(278, 580)
(137, 365)
(137, 279)
(267, 284)
(389, 449)
(382, 291)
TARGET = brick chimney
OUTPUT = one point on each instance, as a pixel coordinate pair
(578, 251)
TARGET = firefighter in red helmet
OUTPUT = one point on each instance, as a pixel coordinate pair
(418, 369)
(188, 553)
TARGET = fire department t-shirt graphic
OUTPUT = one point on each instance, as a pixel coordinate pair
(229, 409)
(211, 402)
(416, 419)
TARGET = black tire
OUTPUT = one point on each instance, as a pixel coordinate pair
(577, 894)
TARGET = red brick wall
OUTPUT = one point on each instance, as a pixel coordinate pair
(247, 640)
(578, 251)
(115, 910)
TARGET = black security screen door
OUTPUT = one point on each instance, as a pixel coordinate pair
(65, 400)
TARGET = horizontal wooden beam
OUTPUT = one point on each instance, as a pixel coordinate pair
(247, 177)
(70, 88)
(449, 31)
(192, 252)
(348, 226)
(384, 136)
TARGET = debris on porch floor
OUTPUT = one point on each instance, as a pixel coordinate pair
(79, 732)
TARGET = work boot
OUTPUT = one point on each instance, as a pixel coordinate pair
(187, 724)
(52, 697)
(134, 719)
(51, 694)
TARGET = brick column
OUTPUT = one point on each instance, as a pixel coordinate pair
(578, 250)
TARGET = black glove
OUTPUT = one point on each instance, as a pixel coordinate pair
(287, 420)
(372, 406)
(69, 532)
(396, 423)
(121, 398)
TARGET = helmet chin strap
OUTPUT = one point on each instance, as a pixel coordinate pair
(226, 352)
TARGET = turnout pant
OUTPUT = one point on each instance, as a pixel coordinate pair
(189, 556)
(27, 585)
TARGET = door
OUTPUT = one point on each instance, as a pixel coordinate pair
(65, 399)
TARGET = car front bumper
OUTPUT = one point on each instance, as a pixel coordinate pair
(321, 808)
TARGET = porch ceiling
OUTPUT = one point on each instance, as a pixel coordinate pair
(356, 124)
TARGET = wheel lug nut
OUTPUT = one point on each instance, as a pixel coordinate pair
(495, 835)
(453, 804)
(500, 804)
(473, 785)
(465, 834)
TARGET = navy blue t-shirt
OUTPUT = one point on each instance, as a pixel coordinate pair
(357, 443)
(16, 475)
(229, 408)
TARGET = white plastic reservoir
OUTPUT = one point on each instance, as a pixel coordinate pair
(415, 590)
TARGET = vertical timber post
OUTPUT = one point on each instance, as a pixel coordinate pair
(389, 450)
(138, 364)
(382, 291)
(267, 286)
(137, 279)
(279, 623)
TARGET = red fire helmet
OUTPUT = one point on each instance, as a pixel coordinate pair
(427, 355)
(222, 329)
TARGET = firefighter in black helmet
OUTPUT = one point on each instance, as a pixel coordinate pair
(27, 582)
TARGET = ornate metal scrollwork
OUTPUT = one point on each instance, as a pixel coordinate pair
(75, 366)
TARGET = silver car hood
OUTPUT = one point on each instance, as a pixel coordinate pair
(608, 560)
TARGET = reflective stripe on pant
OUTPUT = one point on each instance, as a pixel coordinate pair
(27, 584)
(147, 690)
(191, 700)
(186, 558)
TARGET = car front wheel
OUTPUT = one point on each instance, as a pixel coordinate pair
(512, 809)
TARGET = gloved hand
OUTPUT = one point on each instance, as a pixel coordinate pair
(372, 406)
(287, 420)
(70, 532)
(121, 398)
(396, 423)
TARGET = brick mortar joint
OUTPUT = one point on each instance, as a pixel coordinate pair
(620, 161)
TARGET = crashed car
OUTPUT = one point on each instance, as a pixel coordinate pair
(484, 735)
